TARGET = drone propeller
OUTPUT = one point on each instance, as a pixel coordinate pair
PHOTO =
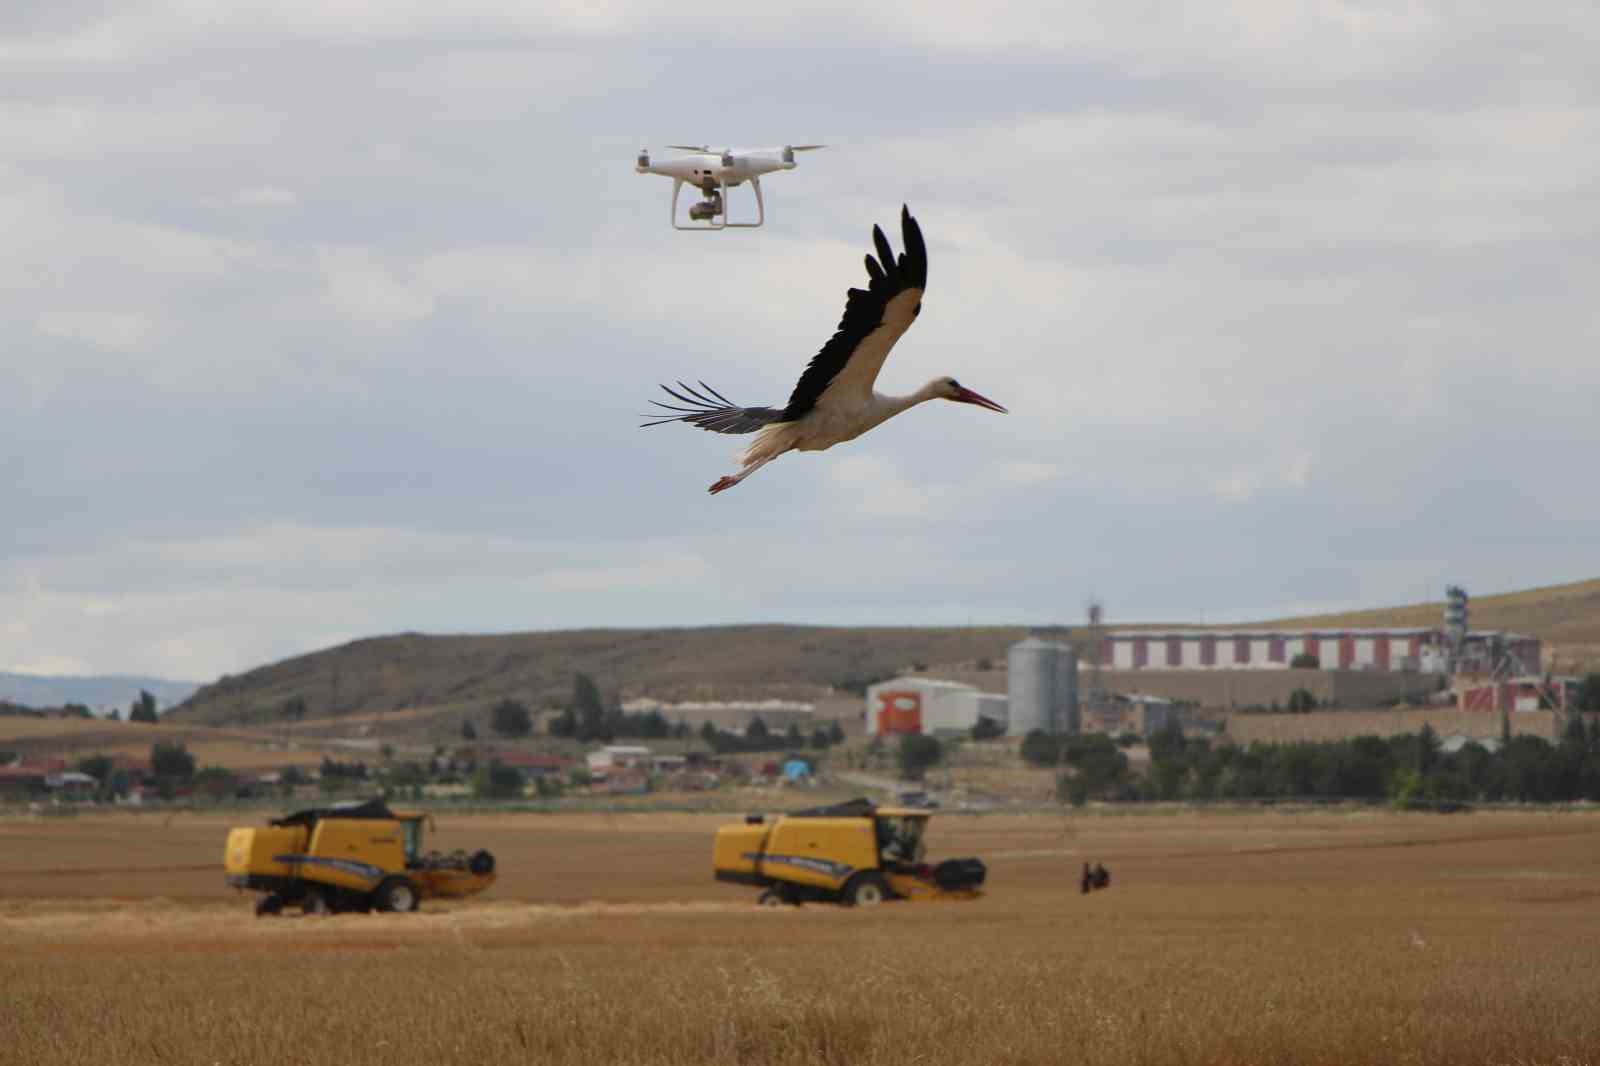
(689, 147)
(805, 147)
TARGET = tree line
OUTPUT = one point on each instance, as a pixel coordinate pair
(1408, 769)
(591, 718)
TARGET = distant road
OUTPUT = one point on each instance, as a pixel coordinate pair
(895, 787)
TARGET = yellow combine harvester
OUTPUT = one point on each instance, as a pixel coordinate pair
(350, 857)
(852, 853)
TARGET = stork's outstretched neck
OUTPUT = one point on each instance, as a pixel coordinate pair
(834, 400)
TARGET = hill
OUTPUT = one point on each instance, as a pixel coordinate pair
(411, 670)
(416, 673)
(98, 692)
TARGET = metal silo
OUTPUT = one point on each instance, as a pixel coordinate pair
(1066, 694)
(1042, 687)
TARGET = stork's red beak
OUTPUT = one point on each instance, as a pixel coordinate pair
(968, 396)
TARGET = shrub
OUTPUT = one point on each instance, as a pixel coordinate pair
(917, 753)
(510, 718)
(987, 729)
(498, 781)
(171, 761)
(1040, 748)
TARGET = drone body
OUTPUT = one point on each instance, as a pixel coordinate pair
(713, 172)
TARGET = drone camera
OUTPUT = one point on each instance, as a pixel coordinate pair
(643, 162)
(704, 211)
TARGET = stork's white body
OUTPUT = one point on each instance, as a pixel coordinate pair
(834, 401)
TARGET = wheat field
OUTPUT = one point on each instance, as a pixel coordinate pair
(1332, 937)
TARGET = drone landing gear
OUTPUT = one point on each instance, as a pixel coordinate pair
(713, 210)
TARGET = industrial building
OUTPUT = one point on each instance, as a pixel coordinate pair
(928, 705)
(735, 715)
(1041, 693)
(1419, 650)
(1531, 693)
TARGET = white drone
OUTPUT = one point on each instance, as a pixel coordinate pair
(713, 172)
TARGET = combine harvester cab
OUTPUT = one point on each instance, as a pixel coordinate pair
(852, 853)
(351, 857)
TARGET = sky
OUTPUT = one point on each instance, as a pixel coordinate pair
(323, 319)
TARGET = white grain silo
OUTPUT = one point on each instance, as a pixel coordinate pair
(1042, 687)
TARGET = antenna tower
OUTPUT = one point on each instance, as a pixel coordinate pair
(1095, 703)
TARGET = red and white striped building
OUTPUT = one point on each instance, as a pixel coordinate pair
(1421, 650)
(1533, 693)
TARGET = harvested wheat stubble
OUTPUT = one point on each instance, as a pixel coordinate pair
(1319, 938)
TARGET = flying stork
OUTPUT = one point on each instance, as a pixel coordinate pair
(834, 400)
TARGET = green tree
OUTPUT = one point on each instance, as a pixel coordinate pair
(510, 718)
(987, 729)
(756, 731)
(96, 766)
(708, 732)
(1305, 661)
(1167, 742)
(1589, 693)
(498, 781)
(294, 708)
(1575, 736)
(1302, 700)
(114, 715)
(836, 732)
(468, 730)
(586, 704)
(792, 737)
(1040, 748)
(144, 709)
(1427, 749)
(171, 760)
(917, 753)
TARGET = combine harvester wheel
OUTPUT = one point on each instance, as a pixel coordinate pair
(866, 890)
(396, 895)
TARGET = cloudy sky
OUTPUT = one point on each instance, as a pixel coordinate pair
(329, 318)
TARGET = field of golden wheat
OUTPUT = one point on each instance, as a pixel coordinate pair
(1327, 938)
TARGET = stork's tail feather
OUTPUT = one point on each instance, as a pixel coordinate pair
(709, 409)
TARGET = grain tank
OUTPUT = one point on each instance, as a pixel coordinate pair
(1042, 687)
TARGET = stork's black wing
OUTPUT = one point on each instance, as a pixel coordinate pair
(718, 414)
(874, 318)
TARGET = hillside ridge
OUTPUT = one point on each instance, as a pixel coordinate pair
(409, 671)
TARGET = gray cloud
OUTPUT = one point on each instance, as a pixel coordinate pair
(329, 320)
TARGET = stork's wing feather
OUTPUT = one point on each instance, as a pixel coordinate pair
(874, 318)
(712, 410)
